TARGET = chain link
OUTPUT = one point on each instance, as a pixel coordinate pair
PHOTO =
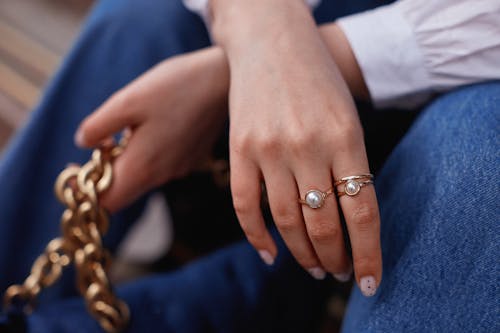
(83, 223)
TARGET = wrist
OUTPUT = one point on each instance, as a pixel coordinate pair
(239, 24)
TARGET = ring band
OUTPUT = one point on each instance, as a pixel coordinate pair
(315, 198)
(352, 187)
(353, 184)
(345, 179)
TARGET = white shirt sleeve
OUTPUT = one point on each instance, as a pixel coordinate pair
(200, 7)
(412, 49)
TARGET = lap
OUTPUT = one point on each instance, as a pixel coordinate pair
(439, 221)
(120, 40)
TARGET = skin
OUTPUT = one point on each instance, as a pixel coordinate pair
(293, 126)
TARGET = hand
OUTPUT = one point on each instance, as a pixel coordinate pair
(176, 111)
(295, 127)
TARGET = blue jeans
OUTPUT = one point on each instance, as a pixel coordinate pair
(437, 195)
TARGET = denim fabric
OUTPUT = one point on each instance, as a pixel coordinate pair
(122, 39)
(229, 291)
(439, 201)
(437, 195)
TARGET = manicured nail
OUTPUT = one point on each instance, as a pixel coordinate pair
(317, 273)
(368, 286)
(345, 276)
(266, 257)
(79, 138)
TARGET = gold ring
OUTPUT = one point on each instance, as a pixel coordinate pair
(315, 198)
(353, 184)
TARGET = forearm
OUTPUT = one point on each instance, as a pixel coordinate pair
(342, 54)
(241, 27)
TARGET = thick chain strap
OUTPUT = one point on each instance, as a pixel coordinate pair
(83, 223)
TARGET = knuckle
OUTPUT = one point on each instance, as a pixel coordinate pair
(364, 216)
(302, 143)
(268, 144)
(126, 102)
(240, 143)
(143, 172)
(323, 232)
(122, 99)
(349, 134)
(285, 220)
(307, 260)
(241, 206)
(366, 264)
(255, 236)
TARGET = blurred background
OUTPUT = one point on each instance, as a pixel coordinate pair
(34, 35)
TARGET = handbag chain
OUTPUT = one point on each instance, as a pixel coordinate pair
(83, 224)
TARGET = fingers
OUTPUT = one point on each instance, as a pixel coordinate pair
(131, 177)
(246, 193)
(283, 201)
(113, 116)
(363, 221)
(323, 224)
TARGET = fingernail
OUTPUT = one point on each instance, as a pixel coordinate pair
(317, 273)
(266, 257)
(79, 138)
(344, 277)
(368, 286)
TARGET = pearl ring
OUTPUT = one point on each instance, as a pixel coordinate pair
(315, 198)
(353, 184)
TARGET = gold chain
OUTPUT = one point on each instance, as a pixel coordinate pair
(83, 224)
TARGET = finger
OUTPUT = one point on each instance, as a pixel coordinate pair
(283, 201)
(131, 178)
(362, 219)
(114, 115)
(246, 192)
(323, 223)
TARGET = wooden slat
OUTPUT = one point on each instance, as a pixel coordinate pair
(17, 87)
(12, 114)
(34, 35)
(5, 133)
(52, 23)
(26, 51)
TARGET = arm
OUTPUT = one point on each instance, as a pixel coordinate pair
(412, 49)
(403, 53)
(295, 128)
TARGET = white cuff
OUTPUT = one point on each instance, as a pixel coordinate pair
(200, 7)
(389, 56)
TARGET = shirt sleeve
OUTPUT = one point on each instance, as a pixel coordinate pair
(412, 49)
(200, 7)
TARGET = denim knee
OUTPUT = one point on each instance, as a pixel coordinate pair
(157, 23)
(456, 136)
(446, 161)
(439, 212)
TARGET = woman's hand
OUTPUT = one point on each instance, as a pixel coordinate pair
(176, 111)
(294, 126)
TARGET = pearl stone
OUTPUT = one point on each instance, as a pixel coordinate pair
(314, 199)
(352, 187)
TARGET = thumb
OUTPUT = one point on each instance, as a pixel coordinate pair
(114, 115)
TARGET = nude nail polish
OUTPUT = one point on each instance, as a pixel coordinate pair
(317, 272)
(79, 139)
(266, 257)
(368, 286)
(345, 276)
